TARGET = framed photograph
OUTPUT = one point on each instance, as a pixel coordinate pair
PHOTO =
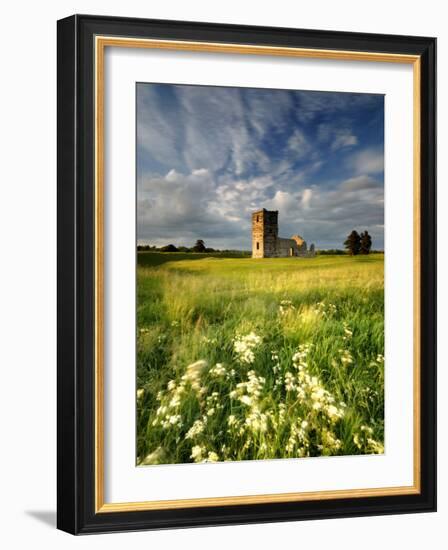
(246, 274)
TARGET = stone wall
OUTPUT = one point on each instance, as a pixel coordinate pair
(286, 247)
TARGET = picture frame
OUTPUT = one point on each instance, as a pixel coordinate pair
(82, 195)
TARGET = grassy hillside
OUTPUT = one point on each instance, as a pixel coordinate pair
(251, 359)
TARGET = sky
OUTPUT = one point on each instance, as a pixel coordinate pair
(209, 156)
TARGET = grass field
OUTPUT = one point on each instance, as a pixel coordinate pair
(253, 359)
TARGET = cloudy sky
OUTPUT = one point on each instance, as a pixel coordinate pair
(209, 156)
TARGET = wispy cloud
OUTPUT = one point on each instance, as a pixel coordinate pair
(335, 136)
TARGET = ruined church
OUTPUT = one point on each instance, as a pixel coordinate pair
(267, 244)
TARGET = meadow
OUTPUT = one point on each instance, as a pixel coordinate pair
(243, 359)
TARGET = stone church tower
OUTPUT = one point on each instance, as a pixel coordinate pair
(264, 233)
(267, 244)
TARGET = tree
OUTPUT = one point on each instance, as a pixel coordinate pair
(199, 246)
(366, 243)
(353, 243)
(169, 248)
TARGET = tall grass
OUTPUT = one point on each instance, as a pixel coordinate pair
(250, 359)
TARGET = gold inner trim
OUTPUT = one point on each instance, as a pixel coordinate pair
(101, 42)
(99, 278)
(417, 271)
(255, 499)
(248, 49)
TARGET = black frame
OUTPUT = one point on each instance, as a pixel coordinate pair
(75, 94)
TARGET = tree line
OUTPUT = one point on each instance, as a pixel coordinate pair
(358, 243)
(199, 246)
(354, 244)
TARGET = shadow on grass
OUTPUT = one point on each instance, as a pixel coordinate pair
(154, 259)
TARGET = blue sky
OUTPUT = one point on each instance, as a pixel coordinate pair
(209, 156)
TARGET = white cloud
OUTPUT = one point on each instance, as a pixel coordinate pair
(258, 183)
(283, 201)
(181, 208)
(360, 182)
(326, 215)
(175, 199)
(369, 161)
(306, 197)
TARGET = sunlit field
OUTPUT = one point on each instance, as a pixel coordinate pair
(243, 359)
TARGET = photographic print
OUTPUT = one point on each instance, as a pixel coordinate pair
(227, 318)
(260, 274)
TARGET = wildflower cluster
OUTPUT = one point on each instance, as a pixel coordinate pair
(325, 309)
(218, 370)
(167, 414)
(365, 442)
(345, 355)
(173, 416)
(244, 347)
(248, 393)
(200, 454)
(276, 369)
(237, 409)
(321, 410)
(286, 306)
(348, 333)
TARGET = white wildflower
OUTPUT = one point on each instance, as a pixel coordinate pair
(290, 381)
(154, 458)
(212, 457)
(246, 400)
(346, 357)
(196, 429)
(231, 420)
(257, 421)
(171, 385)
(194, 370)
(175, 402)
(175, 419)
(218, 370)
(244, 347)
(375, 446)
(197, 453)
(334, 413)
(286, 306)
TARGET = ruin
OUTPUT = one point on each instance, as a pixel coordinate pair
(267, 244)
